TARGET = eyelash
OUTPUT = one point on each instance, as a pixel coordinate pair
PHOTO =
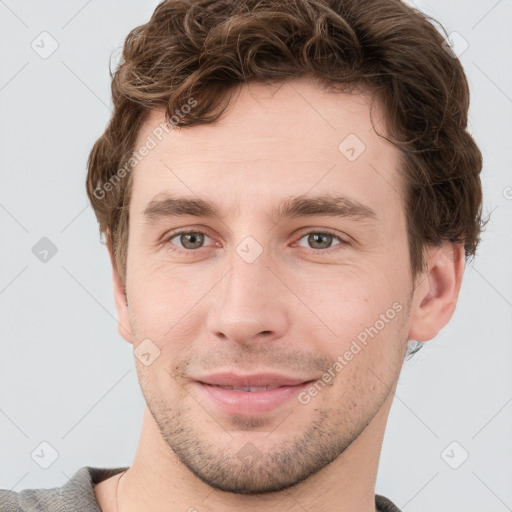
(174, 234)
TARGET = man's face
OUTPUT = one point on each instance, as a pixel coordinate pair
(251, 293)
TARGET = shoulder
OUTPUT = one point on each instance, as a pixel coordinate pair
(76, 495)
(29, 500)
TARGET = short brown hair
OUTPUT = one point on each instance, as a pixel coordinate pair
(204, 49)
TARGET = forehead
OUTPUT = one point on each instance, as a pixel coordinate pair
(273, 141)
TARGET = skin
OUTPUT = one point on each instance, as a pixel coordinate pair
(292, 311)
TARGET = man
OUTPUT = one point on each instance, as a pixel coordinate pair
(289, 195)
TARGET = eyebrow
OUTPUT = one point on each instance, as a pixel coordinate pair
(165, 206)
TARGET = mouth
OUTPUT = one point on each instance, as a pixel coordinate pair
(252, 389)
(250, 395)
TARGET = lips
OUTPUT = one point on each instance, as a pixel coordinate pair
(250, 395)
(252, 389)
(254, 382)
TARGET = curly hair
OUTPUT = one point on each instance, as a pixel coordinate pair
(204, 49)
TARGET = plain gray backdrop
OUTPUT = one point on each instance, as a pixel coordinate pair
(67, 378)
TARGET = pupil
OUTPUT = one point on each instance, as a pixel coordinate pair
(194, 239)
(313, 239)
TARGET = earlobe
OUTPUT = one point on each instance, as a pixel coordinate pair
(436, 294)
(120, 297)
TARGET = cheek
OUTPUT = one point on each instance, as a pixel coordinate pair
(364, 311)
(366, 360)
(351, 298)
(160, 294)
(162, 310)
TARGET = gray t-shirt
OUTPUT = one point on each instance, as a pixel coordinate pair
(77, 495)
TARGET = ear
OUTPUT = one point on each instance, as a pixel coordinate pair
(437, 291)
(120, 297)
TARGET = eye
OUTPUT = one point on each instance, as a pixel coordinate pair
(321, 240)
(190, 241)
(187, 240)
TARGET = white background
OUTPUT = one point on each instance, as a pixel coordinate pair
(68, 378)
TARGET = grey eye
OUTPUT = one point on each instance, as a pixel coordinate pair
(319, 240)
(190, 240)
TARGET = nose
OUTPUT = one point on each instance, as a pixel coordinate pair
(249, 304)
